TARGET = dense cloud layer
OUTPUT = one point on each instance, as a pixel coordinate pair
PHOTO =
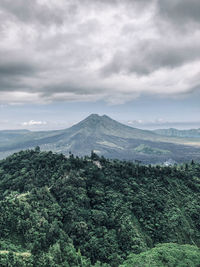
(83, 50)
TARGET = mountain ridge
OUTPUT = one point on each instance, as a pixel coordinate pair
(107, 137)
(191, 133)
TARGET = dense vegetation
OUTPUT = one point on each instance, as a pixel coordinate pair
(58, 211)
(165, 255)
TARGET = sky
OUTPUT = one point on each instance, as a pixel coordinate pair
(137, 61)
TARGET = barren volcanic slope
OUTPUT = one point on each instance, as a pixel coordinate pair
(106, 137)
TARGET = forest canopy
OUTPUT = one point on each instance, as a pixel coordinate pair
(91, 211)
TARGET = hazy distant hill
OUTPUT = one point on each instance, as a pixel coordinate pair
(194, 133)
(7, 136)
(106, 137)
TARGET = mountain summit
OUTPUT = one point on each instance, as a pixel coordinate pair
(104, 136)
(104, 125)
(95, 120)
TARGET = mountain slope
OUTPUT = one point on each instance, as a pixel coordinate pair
(106, 137)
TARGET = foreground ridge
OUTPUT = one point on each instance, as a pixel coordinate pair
(91, 211)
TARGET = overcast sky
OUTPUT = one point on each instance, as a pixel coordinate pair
(135, 60)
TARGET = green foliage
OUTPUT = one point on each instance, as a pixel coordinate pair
(166, 255)
(150, 150)
(58, 211)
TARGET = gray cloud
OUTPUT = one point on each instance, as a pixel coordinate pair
(32, 11)
(16, 68)
(89, 50)
(180, 12)
(150, 56)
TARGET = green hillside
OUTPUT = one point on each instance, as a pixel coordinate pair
(90, 211)
(165, 255)
(150, 150)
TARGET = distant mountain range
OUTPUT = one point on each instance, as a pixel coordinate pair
(192, 133)
(106, 137)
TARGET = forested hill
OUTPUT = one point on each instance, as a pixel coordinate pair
(90, 211)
